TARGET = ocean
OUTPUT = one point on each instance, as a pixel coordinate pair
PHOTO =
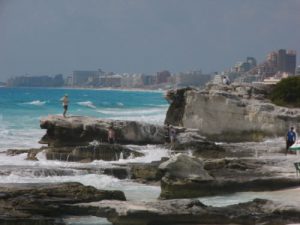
(21, 110)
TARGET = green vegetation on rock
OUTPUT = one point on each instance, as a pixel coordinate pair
(287, 92)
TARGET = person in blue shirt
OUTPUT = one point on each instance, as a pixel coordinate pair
(290, 138)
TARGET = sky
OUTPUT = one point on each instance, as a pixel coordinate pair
(47, 37)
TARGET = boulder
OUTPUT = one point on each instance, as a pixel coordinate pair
(45, 203)
(146, 172)
(79, 131)
(187, 211)
(231, 113)
(182, 166)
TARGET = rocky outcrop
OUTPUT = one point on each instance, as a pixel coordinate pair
(103, 151)
(185, 211)
(35, 204)
(184, 167)
(100, 151)
(187, 177)
(79, 131)
(231, 113)
(190, 140)
(146, 172)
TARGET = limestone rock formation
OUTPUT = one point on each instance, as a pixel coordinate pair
(186, 177)
(231, 112)
(103, 151)
(35, 204)
(100, 151)
(186, 211)
(79, 131)
(182, 166)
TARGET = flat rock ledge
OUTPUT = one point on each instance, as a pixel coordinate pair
(188, 177)
(36, 204)
(80, 131)
(102, 151)
(186, 211)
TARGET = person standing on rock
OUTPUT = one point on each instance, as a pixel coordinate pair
(172, 135)
(111, 135)
(290, 139)
(167, 133)
(65, 103)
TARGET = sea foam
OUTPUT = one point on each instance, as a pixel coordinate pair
(35, 102)
(88, 104)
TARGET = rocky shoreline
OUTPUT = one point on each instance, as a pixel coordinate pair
(196, 167)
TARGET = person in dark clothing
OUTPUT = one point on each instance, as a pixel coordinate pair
(290, 139)
(167, 133)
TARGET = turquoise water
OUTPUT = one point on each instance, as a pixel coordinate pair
(22, 108)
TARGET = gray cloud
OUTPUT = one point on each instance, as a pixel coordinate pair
(58, 36)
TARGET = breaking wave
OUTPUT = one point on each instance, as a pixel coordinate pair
(35, 102)
(88, 104)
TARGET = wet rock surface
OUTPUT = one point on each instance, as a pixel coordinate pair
(184, 178)
(186, 211)
(100, 151)
(79, 131)
(45, 203)
(103, 151)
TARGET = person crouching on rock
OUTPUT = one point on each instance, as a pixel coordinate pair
(290, 139)
(111, 135)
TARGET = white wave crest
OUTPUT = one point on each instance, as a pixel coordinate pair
(131, 112)
(36, 102)
(88, 104)
(120, 104)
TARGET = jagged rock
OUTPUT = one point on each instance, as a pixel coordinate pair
(118, 172)
(184, 167)
(231, 113)
(103, 151)
(146, 172)
(189, 139)
(45, 203)
(79, 131)
(186, 211)
(221, 176)
(7, 170)
(31, 153)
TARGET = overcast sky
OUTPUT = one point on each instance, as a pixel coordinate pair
(42, 37)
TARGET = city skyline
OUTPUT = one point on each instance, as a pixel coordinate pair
(52, 37)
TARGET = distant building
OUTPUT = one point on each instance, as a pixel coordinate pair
(242, 67)
(111, 81)
(192, 78)
(36, 81)
(69, 81)
(162, 77)
(148, 79)
(85, 78)
(283, 61)
(297, 71)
